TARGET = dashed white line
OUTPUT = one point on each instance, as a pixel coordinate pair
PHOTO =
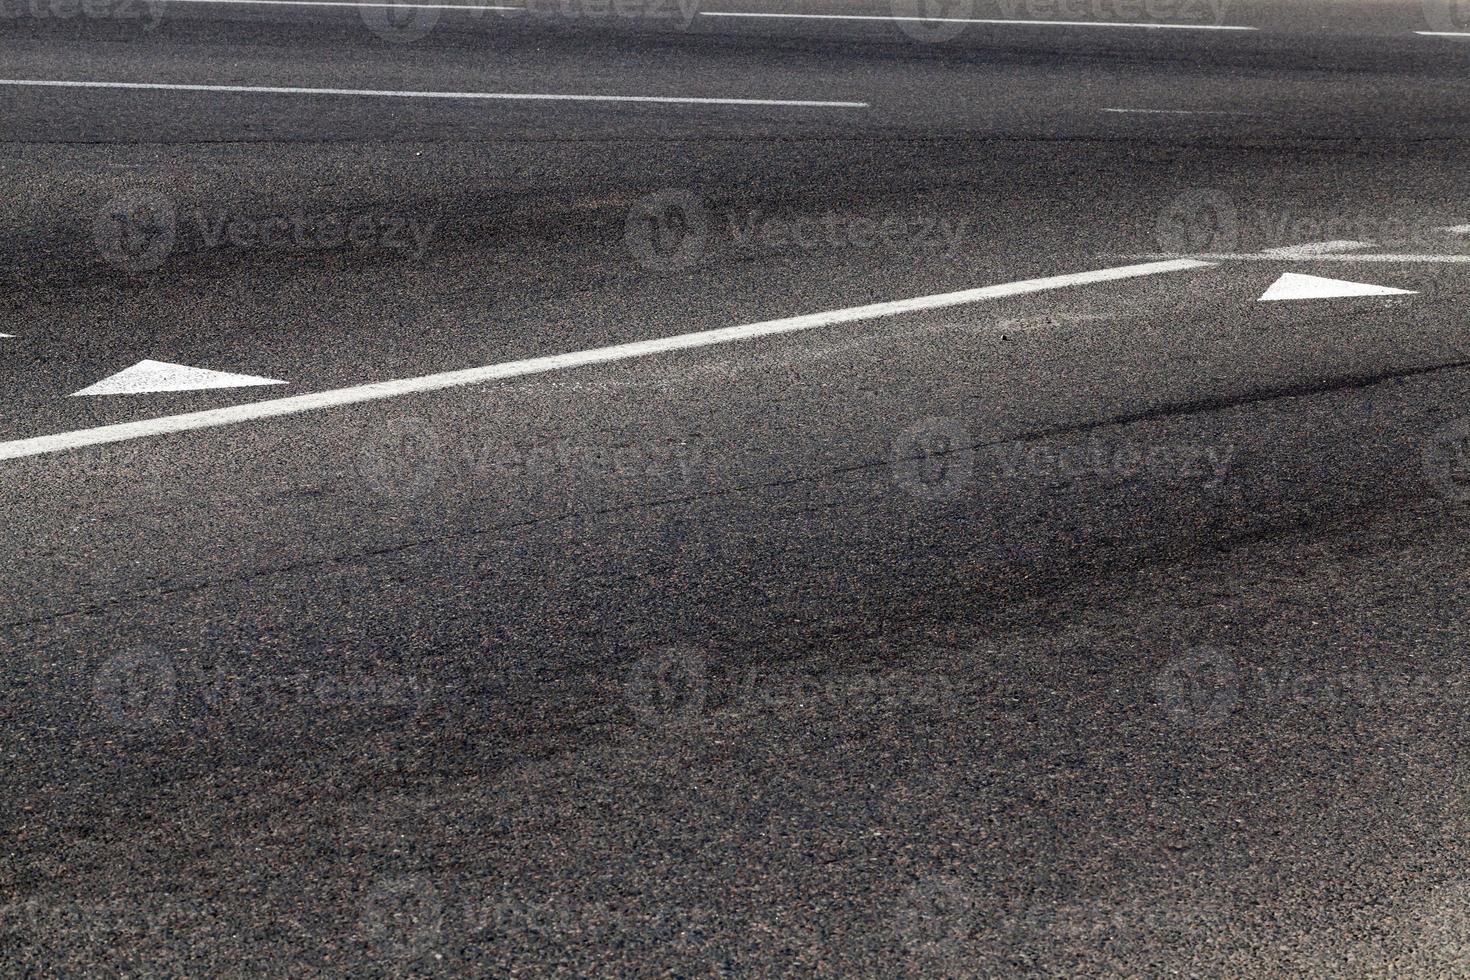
(297, 404)
(1457, 229)
(389, 93)
(1443, 33)
(980, 20)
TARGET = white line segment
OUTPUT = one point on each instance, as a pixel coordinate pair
(276, 407)
(1315, 248)
(502, 96)
(1457, 229)
(1443, 33)
(1179, 112)
(351, 3)
(978, 20)
(1283, 256)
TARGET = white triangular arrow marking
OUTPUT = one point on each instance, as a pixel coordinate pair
(147, 376)
(1296, 286)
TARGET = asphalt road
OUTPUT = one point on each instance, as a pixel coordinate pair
(1110, 627)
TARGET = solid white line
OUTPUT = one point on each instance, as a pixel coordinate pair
(524, 96)
(1443, 33)
(349, 3)
(1371, 257)
(294, 405)
(976, 20)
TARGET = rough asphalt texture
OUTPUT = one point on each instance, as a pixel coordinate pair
(1116, 630)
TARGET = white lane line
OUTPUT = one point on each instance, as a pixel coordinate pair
(1457, 229)
(502, 96)
(977, 20)
(349, 3)
(1443, 33)
(1287, 257)
(276, 407)
(1315, 248)
(1179, 112)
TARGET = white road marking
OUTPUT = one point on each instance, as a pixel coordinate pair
(276, 407)
(501, 96)
(349, 3)
(1315, 248)
(1179, 112)
(1380, 257)
(1294, 286)
(7, 335)
(976, 20)
(1443, 33)
(146, 377)
(1457, 229)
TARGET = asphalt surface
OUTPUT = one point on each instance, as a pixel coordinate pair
(1116, 629)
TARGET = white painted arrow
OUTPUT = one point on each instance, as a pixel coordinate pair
(150, 376)
(1293, 285)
